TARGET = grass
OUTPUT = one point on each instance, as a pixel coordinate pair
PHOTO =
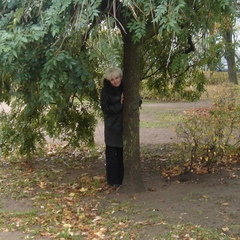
(17, 221)
(158, 117)
(190, 231)
(167, 119)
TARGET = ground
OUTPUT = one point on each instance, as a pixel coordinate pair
(209, 200)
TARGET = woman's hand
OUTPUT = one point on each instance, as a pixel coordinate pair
(122, 97)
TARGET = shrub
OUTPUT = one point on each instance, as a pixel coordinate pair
(208, 134)
(166, 93)
(216, 78)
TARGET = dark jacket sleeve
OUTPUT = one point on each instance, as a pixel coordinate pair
(108, 106)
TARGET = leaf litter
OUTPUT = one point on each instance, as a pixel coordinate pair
(69, 199)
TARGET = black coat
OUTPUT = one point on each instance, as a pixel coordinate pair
(112, 110)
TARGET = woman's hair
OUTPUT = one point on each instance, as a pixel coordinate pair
(113, 72)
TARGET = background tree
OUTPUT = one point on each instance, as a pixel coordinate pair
(230, 53)
(227, 32)
(53, 52)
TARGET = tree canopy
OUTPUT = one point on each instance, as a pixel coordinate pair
(46, 73)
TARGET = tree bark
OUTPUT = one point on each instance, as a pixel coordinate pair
(230, 57)
(131, 143)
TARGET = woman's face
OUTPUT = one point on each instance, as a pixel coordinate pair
(116, 81)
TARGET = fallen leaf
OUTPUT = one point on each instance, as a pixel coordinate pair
(83, 190)
(97, 219)
(72, 194)
(225, 204)
(225, 229)
(42, 185)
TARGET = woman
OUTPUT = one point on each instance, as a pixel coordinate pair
(111, 105)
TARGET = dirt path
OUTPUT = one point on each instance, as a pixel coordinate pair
(210, 201)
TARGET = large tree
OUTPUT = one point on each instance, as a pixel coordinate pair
(52, 52)
(227, 28)
(176, 26)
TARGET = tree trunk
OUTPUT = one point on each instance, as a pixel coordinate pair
(131, 144)
(230, 57)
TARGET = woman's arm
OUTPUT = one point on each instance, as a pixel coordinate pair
(108, 107)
